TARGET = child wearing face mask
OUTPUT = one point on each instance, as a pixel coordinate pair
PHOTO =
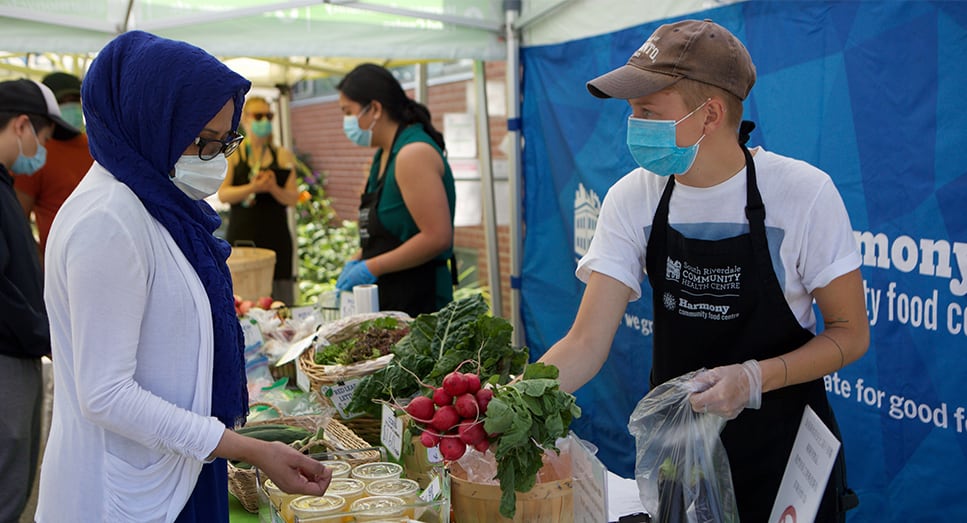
(43, 192)
(28, 117)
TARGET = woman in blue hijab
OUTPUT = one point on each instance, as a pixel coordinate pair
(147, 349)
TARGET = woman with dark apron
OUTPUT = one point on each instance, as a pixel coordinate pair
(406, 212)
(737, 252)
(261, 185)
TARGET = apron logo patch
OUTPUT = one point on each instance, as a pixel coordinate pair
(587, 206)
(708, 311)
(673, 270)
(668, 299)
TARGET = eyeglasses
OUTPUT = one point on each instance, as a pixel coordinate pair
(209, 148)
(259, 116)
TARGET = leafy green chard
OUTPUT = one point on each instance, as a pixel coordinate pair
(436, 345)
(376, 338)
(527, 417)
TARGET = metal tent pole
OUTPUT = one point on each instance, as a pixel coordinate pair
(487, 188)
(512, 75)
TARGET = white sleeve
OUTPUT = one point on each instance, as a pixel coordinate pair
(829, 249)
(108, 298)
(618, 246)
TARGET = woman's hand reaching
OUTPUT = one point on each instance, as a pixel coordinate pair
(292, 471)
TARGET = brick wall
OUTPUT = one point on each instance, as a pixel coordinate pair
(317, 132)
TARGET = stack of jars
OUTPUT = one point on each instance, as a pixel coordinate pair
(368, 492)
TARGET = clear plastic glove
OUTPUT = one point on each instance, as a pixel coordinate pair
(726, 391)
(354, 273)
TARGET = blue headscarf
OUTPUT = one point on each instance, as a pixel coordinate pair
(145, 100)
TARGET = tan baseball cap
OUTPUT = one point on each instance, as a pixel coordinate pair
(700, 50)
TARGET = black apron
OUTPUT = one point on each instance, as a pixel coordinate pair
(264, 222)
(412, 290)
(719, 302)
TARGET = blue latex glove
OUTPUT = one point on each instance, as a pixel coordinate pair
(354, 273)
(341, 281)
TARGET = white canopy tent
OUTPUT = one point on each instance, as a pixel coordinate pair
(279, 42)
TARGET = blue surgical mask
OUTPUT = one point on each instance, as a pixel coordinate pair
(357, 135)
(653, 145)
(261, 128)
(72, 113)
(199, 178)
(28, 165)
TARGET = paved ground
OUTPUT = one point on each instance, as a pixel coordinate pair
(28, 515)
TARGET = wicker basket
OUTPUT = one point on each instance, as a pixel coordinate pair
(242, 483)
(364, 425)
(252, 269)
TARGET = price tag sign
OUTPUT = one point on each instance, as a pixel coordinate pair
(340, 395)
(302, 379)
(433, 455)
(303, 313)
(251, 333)
(347, 304)
(589, 481)
(433, 490)
(391, 432)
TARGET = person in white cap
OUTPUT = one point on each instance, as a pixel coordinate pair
(28, 117)
(737, 244)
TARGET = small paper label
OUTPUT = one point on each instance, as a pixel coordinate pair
(302, 313)
(433, 455)
(347, 304)
(251, 333)
(391, 432)
(432, 491)
(340, 395)
(302, 379)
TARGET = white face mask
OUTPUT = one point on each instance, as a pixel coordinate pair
(199, 178)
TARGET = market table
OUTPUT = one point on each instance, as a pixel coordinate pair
(238, 514)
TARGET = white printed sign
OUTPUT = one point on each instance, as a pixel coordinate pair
(340, 395)
(391, 432)
(807, 471)
(303, 313)
(590, 482)
(433, 490)
(251, 333)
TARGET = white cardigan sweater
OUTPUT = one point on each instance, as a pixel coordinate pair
(131, 334)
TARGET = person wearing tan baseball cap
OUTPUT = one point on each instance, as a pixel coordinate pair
(737, 245)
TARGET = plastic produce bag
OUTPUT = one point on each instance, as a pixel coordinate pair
(681, 467)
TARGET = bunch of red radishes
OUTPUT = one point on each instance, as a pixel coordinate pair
(453, 417)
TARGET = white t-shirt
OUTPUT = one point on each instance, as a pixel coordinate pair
(806, 224)
(131, 336)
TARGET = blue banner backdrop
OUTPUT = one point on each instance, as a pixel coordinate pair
(868, 91)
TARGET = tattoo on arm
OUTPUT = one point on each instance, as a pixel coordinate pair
(835, 321)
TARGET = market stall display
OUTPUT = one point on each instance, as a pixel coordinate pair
(394, 500)
(348, 350)
(309, 433)
(517, 423)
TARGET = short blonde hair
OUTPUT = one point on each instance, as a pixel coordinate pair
(251, 100)
(694, 93)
